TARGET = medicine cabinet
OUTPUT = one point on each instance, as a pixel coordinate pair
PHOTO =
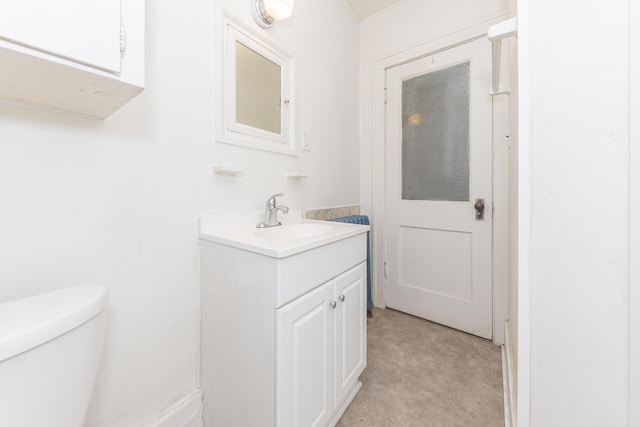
(257, 108)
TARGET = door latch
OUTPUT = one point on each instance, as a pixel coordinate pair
(479, 207)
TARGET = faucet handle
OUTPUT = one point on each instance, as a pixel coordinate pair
(271, 201)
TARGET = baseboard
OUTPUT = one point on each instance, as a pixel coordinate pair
(508, 381)
(185, 413)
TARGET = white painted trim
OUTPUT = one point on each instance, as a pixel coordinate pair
(378, 189)
(185, 413)
(431, 46)
(500, 228)
(508, 376)
(378, 221)
(524, 215)
(380, 12)
(505, 388)
(634, 215)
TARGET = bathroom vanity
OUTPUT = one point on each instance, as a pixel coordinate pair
(283, 321)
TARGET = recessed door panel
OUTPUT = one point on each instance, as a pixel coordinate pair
(305, 360)
(437, 262)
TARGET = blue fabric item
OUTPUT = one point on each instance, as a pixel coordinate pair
(363, 220)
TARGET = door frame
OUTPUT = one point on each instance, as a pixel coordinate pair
(499, 175)
(634, 220)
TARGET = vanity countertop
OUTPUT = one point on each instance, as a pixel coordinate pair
(295, 235)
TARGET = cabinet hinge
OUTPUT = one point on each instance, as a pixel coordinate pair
(386, 270)
(123, 41)
(385, 96)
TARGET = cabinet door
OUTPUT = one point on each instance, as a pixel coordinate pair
(304, 354)
(85, 31)
(351, 330)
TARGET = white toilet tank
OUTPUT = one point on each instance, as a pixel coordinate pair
(49, 353)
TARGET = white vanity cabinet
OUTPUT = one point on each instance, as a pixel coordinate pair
(283, 329)
(321, 351)
(79, 56)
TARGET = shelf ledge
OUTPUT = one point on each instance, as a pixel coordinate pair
(228, 169)
(496, 34)
(296, 175)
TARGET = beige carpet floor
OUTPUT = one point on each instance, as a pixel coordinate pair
(423, 374)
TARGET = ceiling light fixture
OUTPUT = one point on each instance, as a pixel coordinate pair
(265, 12)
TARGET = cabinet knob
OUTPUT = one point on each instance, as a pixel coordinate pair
(342, 297)
(333, 304)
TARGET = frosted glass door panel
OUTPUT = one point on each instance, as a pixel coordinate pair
(435, 135)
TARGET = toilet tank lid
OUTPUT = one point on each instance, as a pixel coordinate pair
(28, 322)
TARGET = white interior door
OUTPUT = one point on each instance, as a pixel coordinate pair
(438, 164)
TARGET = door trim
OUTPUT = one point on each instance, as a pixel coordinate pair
(634, 221)
(500, 173)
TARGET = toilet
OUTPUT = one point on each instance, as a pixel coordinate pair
(49, 352)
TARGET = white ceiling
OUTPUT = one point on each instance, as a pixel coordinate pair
(365, 8)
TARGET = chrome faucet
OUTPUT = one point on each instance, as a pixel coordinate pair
(271, 212)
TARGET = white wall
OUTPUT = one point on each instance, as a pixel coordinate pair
(116, 202)
(578, 113)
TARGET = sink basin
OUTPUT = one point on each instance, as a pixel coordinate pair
(294, 236)
(294, 231)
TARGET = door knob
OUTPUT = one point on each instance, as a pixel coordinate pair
(342, 297)
(479, 207)
(333, 304)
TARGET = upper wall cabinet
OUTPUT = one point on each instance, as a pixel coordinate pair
(79, 56)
